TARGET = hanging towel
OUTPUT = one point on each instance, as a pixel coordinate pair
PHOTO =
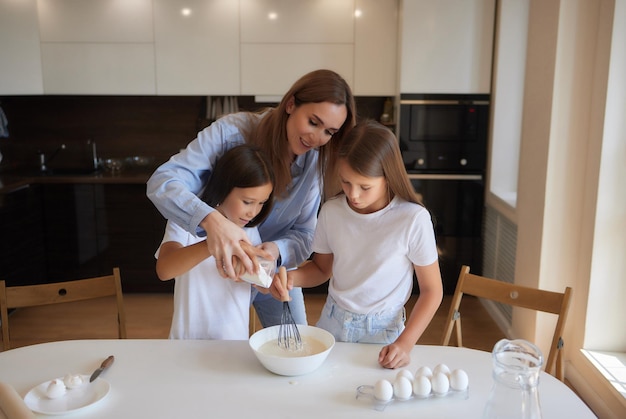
(4, 125)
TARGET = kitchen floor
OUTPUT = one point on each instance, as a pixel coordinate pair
(148, 316)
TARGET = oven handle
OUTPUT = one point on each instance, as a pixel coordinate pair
(443, 102)
(433, 176)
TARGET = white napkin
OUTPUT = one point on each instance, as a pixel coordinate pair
(12, 406)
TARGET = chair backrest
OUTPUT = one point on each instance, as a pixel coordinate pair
(515, 295)
(61, 292)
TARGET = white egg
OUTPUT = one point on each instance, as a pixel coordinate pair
(422, 386)
(402, 388)
(425, 371)
(383, 390)
(440, 383)
(441, 368)
(405, 373)
(459, 380)
(72, 381)
(55, 389)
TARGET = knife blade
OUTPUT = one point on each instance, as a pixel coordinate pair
(105, 364)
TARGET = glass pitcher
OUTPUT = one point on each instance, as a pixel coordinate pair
(516, 367)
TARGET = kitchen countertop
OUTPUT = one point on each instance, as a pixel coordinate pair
(10, 182)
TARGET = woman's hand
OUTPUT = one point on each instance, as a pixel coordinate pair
(224, 241)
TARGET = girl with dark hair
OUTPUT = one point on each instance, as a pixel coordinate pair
(300, 137)
(205, 305)
(369, 241)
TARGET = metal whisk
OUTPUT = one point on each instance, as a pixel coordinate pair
(288, 334)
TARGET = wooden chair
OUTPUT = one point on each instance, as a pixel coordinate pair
(253, 319)
(514, 295)
(61, 292)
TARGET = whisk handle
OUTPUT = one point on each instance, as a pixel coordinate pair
(282, 275)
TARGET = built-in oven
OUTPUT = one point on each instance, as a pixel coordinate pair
(443, 139)
(455, 202)
(446, 133)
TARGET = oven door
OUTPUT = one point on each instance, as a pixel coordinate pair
(444, 133)
(455, 202)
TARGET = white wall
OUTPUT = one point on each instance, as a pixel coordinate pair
(571, 203)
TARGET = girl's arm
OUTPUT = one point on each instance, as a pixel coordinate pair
(176, 259)
(430, 296)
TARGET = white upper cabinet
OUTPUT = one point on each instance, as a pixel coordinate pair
(446, 46)
(97, 47)
(281, 40)
(300, 21)
(197, 47)
(20, 63)
(375, 48)
(95, 21)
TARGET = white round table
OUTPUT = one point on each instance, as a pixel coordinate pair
(220, 379)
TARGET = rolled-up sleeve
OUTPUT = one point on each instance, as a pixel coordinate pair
(174, 187)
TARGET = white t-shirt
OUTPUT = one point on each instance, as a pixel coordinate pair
(373, 254)
(207, 306)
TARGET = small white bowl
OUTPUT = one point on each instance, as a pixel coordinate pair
(292, 365)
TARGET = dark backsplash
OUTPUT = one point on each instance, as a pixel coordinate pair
(121, 126)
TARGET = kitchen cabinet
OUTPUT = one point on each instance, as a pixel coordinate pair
(197, 47)
(20, 63)
(282, 40)
(93, 227)
(446, 46)
(22, 254)
(70, 231)
(104, 47)
(375, 48)
(129, 231)
(271, 69)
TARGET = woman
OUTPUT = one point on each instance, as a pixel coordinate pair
(296, 136)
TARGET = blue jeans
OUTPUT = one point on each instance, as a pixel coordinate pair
(270, 309)
(346, 326)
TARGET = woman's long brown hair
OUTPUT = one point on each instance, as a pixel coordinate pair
(271, 134)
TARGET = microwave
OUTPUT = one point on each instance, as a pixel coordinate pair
(444, 133)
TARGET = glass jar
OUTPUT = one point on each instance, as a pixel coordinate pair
(516, 367)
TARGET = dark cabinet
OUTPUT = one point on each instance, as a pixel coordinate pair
(70, 231)
(22, 253)
(92, 227)
(129, 230)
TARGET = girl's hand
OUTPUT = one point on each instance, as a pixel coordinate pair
(271, 249)
(281, 284)
(394, 356)
(253, 252)
(238, 267)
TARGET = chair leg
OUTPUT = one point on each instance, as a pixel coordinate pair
(559, 370)
(459, 337)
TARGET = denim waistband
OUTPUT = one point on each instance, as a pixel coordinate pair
(368, 321)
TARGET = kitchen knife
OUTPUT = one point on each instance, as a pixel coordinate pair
(105, 364)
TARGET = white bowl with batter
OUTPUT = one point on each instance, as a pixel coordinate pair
(316, 345)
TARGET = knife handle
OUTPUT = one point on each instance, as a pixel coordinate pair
(107, 362)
